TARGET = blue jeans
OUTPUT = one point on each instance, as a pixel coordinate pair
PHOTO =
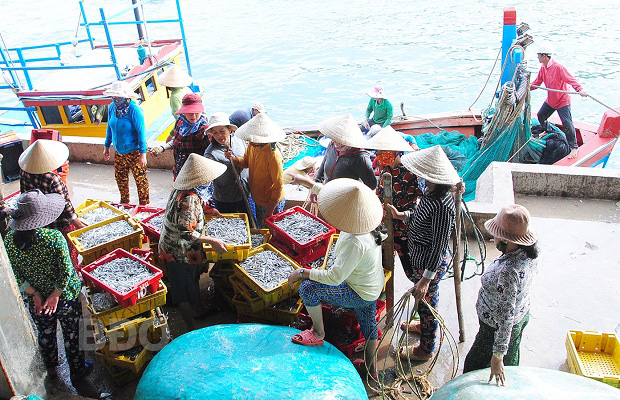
(567, 121)
(365, 130)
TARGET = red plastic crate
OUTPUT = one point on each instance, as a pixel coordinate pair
(302, 249)
(49, 134)
(128, 208)
(146, 255)
(11, 196)
(139, 290)
(304, 258)
(151, 230)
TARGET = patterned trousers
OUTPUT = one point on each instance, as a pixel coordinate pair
(314, 293)
(122, 164)
(428, 323)
(68, 314)
(261, 213)
(479, 356)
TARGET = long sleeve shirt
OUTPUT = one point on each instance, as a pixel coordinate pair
(428, 231)
(46, 265)
(265, 166)
(225, 188)
(126, 133)
(382, 113)
(504, 298)
(182, 227)
(50, 183)
(354, 164)
(556, 76)
(358, 263)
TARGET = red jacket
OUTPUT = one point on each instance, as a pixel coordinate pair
(555, 76)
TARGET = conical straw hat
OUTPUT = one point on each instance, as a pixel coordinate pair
(344, 130)
(431, 164)
(198, 171)
(261, 129)
(388, 139)
(175, 77)
(350, 206)
(43, 156)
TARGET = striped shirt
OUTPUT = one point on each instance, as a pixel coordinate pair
(428, 230)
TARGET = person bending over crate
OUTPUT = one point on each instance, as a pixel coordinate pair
(265, 163)
(356, 278)
(180, 244)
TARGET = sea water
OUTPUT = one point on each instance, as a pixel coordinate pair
(308, 60)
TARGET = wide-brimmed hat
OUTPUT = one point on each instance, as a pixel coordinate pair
(350, 206)
(388, 139)
(261, 129)
(376, 92)
(198, 171)
(344, 130)
(175, 77)
(220, 119)
(191, 104)
(512, 223)
(43, 156)
(544, 48)
(305, 163)
(431, 164)
(34, 209)
(120, 89)
(259, 107)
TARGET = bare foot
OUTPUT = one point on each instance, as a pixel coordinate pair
(573, 153)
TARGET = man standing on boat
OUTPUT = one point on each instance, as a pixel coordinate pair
(557, 77)
(240, 117)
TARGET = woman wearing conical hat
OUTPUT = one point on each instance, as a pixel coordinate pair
(344, 157)
(180, 244)
(428, 231)
(177, 81)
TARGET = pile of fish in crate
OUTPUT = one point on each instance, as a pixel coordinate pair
(123, 286)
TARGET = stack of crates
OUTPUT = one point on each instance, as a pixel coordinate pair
(126, 335)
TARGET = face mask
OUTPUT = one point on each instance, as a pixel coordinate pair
(501, 246)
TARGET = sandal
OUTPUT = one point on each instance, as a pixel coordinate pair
(411, 327)
(414, 353)
(307, 338)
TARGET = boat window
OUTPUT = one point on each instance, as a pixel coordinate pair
(97, 112)
(140, 94)
(150, 85)
(74, 114)
(51, 115)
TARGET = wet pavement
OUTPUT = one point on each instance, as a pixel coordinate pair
(576, 286)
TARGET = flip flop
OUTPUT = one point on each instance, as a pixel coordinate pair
(307, 338)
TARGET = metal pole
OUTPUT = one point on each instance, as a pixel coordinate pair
(137, 12)
(456, 261)
(189, 67)
(20, 56)
(110, 44)
(388, 244)
(90, 38)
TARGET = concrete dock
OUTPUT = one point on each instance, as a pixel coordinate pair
(577, 286)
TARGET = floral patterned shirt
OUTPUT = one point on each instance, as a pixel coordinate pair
(45, 265)
(183, 226)
(504, 298)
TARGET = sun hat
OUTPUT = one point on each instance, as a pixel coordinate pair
(305, 163)
(350, 206)
(120, 89)
(220, 119)
(174, 77)
(191, 104)
(376, 92)
(544, 48)
(388, 139)
(261, 129)
(431, 164)
(43, 156)
(512, 223)
(197, 171)
(34, 209)
(259, 107)
(344, 130)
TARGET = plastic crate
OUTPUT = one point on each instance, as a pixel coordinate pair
(249, 296)
(124, 335)
(135, 366)
(126, 242)
(304, 258)
(160, 335)
(227, 295)
(302, 249)
(139, 290)
(221, 273)
(94, 204)
(144, 209)
(332, 242)
(594, 355)
(264, 232)
(145, 254)
(128, 208)
(118, 313)
(387, 274)
(152, 231)
(237, 252)
(271, 296)
(11, 198)
(48, 134)
(269, 314)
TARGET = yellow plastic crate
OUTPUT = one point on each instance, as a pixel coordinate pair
(220, 273)
(237, 252)
(85, 204)
(123, 336)
(387, 275)
(135, 366)
(594, 355)
(126, 242)
(96, 204)
(332, 242)
(121, 376)
(159, 336)
(115, 314)
(269, 314)
(265, 232)
(275, 295)
(256, 303)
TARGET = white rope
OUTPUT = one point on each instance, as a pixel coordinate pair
(571, 92)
